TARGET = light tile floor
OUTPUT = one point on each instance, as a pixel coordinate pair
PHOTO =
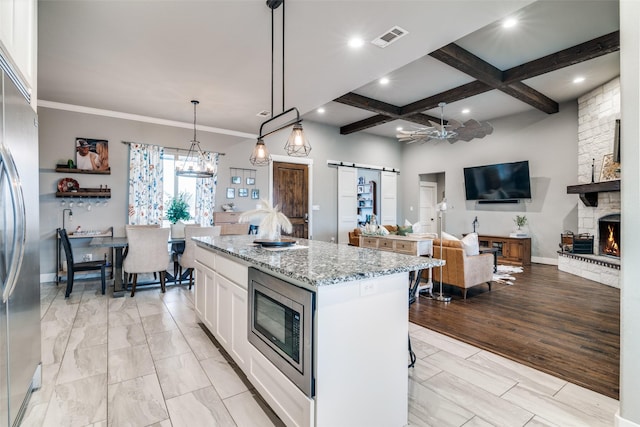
(144, 361)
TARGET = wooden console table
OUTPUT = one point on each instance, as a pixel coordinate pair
(408, 245)
(511, 250)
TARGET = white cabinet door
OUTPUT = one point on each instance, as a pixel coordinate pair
(223, 315)
(18, 23)
(239, 340)
(200, 291)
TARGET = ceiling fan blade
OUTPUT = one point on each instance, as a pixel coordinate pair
(453, 124)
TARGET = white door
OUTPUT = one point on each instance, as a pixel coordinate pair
(428, 213)
(389, 196)
(347, 202)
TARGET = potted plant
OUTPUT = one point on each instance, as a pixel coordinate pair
(520, 221)
(178, 211)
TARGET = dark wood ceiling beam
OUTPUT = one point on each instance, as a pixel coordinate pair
(365, 124)
(369, 104)
(456, 94)
(463, 60)
(532, 97)
(599, 46)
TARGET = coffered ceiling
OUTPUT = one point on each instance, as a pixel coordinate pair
(152, 58)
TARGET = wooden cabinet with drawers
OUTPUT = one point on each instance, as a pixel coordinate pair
(511, 250)
(229, 223)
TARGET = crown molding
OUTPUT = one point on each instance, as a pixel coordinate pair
(139, 118)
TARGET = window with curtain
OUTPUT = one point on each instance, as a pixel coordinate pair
(201, 192)
(153, 183)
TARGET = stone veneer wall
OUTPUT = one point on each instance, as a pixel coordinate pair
(597, 113)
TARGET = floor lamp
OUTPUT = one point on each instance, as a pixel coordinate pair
(440, 296)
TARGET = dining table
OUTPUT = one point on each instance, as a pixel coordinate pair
(119, 244)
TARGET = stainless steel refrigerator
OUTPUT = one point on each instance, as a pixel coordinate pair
(19, 251)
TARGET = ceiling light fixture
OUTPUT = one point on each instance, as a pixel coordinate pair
(510, 23)
(384, 81)
(452, 131)
(356, 42)
(196, 164)
(465, 111)
(321, 110)
(297, 145)
(578, 79)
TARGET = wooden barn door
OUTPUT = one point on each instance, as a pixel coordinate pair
(290, 191)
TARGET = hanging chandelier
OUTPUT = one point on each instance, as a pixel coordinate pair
(196, 164)
(297, 145)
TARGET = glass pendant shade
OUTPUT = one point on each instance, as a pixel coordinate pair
(260, 155)
(297, 145)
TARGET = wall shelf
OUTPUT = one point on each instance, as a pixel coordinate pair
(66, 169)
(86, 192)
(589, 192)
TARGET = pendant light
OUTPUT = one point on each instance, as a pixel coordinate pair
(195, 165)
(297, 145)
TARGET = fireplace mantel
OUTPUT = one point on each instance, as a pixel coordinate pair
(589, 192)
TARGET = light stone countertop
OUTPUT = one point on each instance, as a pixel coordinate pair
(317, 263)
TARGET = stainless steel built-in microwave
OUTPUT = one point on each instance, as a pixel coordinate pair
(281, 326)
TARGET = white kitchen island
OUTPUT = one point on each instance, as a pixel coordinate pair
(360, 326)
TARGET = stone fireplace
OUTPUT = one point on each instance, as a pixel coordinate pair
(609, 230)
(599, 213)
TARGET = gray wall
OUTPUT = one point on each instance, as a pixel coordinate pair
(548, 142)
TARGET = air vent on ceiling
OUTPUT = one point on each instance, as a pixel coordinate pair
(389, 37)
(264, 113)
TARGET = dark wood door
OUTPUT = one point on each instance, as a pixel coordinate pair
(290, 192)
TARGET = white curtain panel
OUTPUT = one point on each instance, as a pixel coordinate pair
(145, 184)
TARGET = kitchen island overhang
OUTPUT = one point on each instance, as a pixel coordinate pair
(360, 325)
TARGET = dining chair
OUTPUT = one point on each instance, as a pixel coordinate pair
(72, 266)
(187, 258)
(147, 253)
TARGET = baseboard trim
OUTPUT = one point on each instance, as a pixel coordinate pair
(621, 422)
(543, 260)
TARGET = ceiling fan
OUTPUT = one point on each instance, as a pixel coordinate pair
(452, 131)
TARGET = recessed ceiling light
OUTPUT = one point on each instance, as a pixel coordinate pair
(321, 110)
(466, 111)
(578, 79)
(399, 128)
(384, 80)
(509, 23)
(356, 42)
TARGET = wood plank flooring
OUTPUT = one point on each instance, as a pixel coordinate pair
(550, 320)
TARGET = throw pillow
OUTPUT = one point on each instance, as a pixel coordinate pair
(403, 231)
(470, 244)
(447, 236)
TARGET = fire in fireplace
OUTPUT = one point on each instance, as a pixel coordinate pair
(609, 227)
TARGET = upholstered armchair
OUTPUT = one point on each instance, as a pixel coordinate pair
(147, 253)
(461, 270)
(187, 258)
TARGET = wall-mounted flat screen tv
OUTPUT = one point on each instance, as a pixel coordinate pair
(503, 181)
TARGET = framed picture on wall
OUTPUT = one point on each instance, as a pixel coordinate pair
(92, 154)
(255, 194)
(243, 192)
(236, 180)
(251, 181)
(231, 193)
(610, 169)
